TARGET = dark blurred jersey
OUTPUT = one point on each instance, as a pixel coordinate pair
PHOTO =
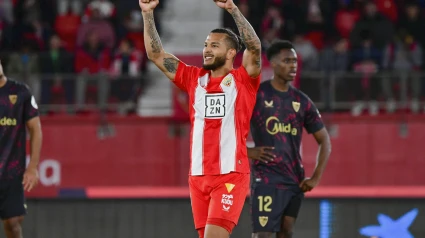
(278, 120)
(17, 106)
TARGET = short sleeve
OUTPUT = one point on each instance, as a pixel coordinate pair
(251, 83)
(312, 119)
(30, 106)
(185, 75)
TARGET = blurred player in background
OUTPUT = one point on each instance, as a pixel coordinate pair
(280, 113)
(18, 111)
(222, 100)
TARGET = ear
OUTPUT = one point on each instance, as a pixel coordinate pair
(231, 54)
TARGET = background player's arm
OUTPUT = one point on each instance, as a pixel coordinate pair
(34, 129)
(324, 142)
(252, 56)
(30, 179)
(166, 62)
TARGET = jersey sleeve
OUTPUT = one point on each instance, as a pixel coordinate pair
(30, 106)
(251, 83)
(185, 75)
(312, 119)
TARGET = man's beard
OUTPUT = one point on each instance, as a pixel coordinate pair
(218, 62)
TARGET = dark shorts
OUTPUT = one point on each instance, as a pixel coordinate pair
(12, 200)
(269, 204)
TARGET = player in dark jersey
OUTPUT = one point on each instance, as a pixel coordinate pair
(280, 113)
(18, 111)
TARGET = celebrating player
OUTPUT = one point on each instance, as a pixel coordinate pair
(280, 113)
(18, 110)
(222, 100)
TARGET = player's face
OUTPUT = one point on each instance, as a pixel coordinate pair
(215, 51)
(285, 65)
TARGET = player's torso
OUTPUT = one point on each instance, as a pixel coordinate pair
(11, 108)
(220, 111)
(278, 121)
(278, 118)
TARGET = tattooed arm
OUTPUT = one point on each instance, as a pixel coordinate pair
(252, 55)
(166, 62)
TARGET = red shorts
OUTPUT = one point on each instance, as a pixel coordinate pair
(218, 197)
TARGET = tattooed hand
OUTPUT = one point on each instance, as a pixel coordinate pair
(225, 4)
(148, 5)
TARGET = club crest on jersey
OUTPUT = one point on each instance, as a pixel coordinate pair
(227, 81)
(268, 104)
(263, 220)
(13, 99)
(296, 106)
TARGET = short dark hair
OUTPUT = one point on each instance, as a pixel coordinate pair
(278, 46)
(233, 40)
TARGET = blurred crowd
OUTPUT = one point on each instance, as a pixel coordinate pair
(85, 52)
(69, 50)
(375, 47)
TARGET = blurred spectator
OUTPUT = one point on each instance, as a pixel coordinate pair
(66, 26)
(272, 26)
(335, 58)
(404, 57)
(345, 19)
(6, 11)
(388, 8)
(92, 61)
(105, 8)
(380, 28)
(24, 66)
(413, 23)
(65, 6)
(366, 61)
(132, 29)
(334, 61)
(101, 27)
(125, 71)
(56, 69)
(308, 53)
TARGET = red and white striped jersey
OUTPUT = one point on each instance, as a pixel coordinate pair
(220, 112)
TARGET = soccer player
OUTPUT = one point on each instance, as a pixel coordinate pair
(18, 110)
(280, 113)
(221, 101)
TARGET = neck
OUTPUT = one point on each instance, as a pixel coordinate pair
(222, 71)
(3, 80)
(280, 84)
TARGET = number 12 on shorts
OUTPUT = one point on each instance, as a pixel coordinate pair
(264, 203)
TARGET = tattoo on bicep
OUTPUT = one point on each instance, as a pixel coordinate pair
(153, 34)
(171, 64)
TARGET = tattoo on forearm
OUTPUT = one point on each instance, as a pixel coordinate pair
(171, 64)
(248, 34)
(153, 33)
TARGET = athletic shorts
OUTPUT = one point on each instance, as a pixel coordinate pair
(218, 197)
(12, 200)
(270, 204)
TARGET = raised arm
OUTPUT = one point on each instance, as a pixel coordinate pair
(252, 55)
(166, 62)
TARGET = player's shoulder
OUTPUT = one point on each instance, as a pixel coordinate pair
(17, 85)
(300, 94)
(194, 71)
(265, 85)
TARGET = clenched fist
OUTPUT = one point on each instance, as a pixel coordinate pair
(148, 5)
(225, 4)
